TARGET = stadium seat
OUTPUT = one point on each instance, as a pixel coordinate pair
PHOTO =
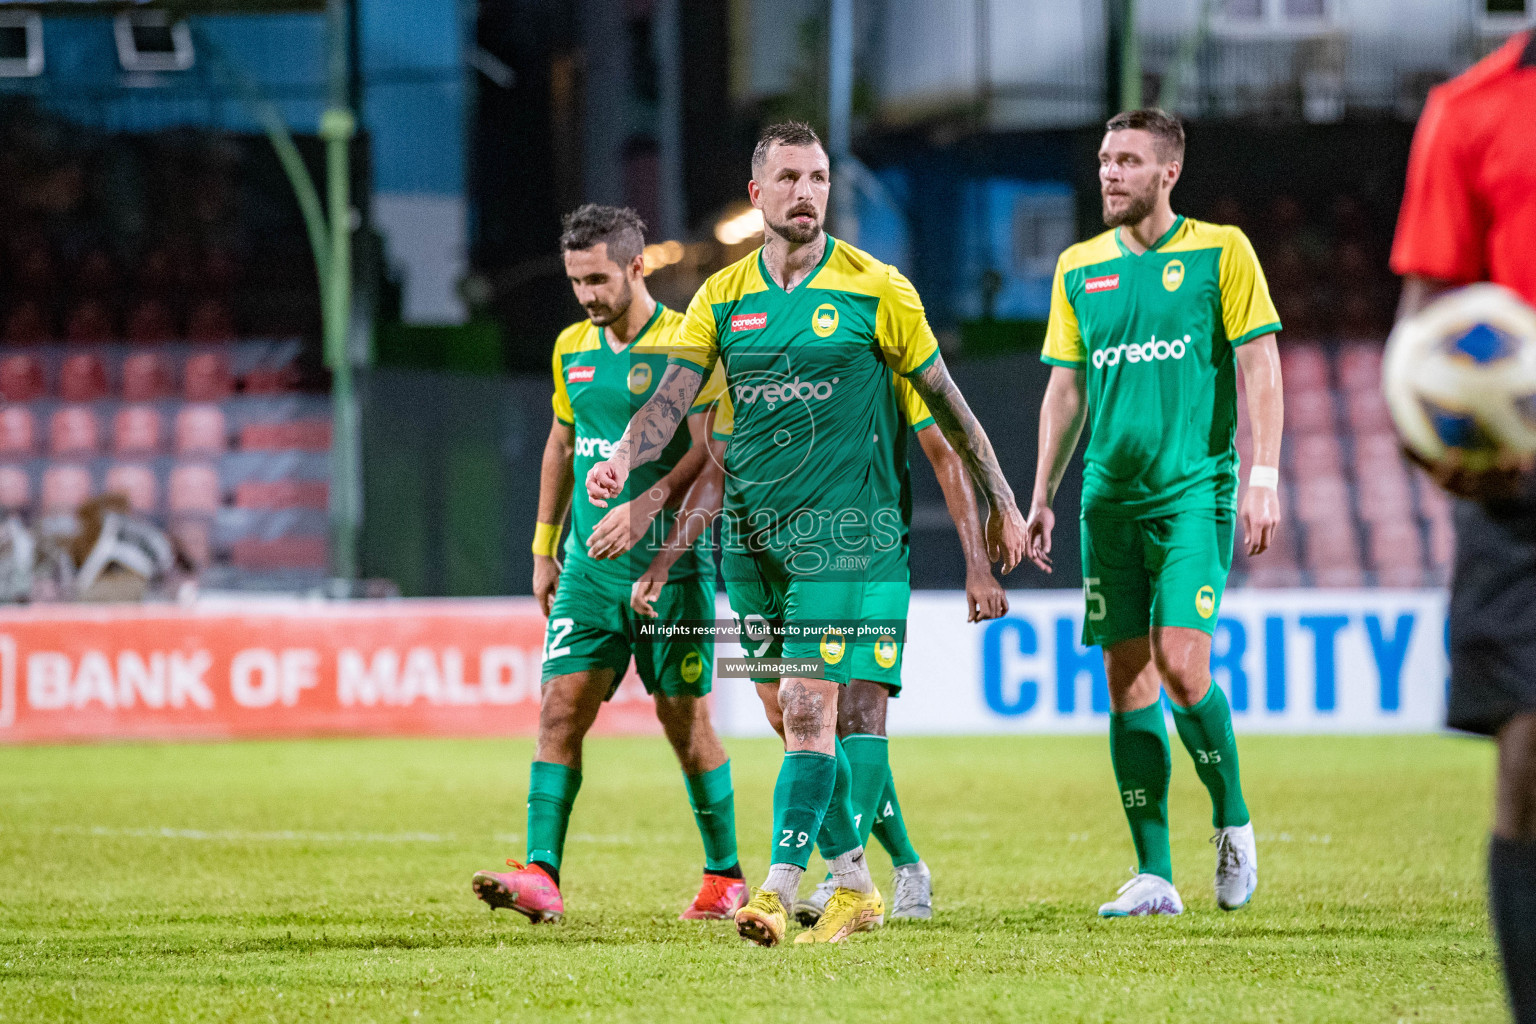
(138, 430)
(15, 488)
(282, 494)
(1434, 504)
(21, 378)
(137, 483)
(310, 435)
(194, 537)
(83, 378)
(65, 488)
(210, 321)
(201, 430)
(280, 553)
(1304, 366)
(18, 430)
(208, 378)
(1309, 411)
(151, 321)
(1323, 499)
(1397, 553)
(27, 324)
(194, 487)
(1383, 493)
(1367, 411)
(1333, 554)
(74, 430)
(1317, 455)
(1442, 543)
(90, 321)
(147, 376)
(1359, 366)
(271, 380)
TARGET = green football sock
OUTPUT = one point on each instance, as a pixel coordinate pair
(800, 798)
(839, 831)
(714, 809)
(551, 792)
(890, 827)
(1138, 746)
(1206, 729)
(868, 756)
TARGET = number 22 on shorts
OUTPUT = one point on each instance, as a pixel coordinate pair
(1096, 607)
(559, 629)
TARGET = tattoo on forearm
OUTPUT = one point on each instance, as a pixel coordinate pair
(964, 432)
(653, 426)
(804, 710)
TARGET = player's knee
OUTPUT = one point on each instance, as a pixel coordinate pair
(862, 709)
(805, 712)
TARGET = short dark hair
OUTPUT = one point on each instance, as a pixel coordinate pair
(785, 133)
(1167, 130)
(591, 224)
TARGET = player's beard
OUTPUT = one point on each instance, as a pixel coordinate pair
(1137, 209)
(602, 314)
(798, 234)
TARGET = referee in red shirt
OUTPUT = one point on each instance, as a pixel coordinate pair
(1469, 214)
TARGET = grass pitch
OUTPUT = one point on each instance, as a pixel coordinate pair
(329, 880)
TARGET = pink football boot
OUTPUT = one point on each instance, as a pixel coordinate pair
(719, 898)
(529, 891)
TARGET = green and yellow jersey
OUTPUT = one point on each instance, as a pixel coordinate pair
(597, 390)
(1155, 334)
(808, 373)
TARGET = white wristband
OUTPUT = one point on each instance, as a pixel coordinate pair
(1264, 476)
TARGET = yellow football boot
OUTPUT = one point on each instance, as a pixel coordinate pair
(848, 911)
(763, 919)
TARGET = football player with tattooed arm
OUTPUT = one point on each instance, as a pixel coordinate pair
(808, 329)
(604, 368)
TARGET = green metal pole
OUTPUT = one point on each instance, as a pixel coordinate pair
(1130, 60)
(337, 126)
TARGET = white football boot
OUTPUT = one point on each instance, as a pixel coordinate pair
(1237, 866)
(808, 910)
(913, 896)
(1144, 896)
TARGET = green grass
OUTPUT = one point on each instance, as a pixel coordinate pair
(328, 880)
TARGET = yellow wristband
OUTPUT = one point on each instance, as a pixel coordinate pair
(546, 539)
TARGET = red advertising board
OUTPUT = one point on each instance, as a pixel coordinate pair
(463, 668)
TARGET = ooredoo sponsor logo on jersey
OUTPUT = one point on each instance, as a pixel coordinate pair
(748, 322)
(1133, 353)
(589, 446)
(783, 391)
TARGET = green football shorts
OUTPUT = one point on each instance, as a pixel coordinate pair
(766, 600)
(591, 625)
(879, 661)
(1163, 571)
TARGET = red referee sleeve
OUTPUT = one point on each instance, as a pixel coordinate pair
(1441, 227)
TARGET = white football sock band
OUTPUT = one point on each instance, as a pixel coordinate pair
(1264, 476)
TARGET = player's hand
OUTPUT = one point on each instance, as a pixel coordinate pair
(1006, 537)
(1501, 482)
(605, 480)
(1261, 517)
(646, 589)
(1038, 534)
(546, 580)
(623, 525)
(985, 597)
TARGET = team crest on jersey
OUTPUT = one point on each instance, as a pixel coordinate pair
(832, 647)
(639, 378)
(885, 653)
(1107, 283)
(579, 374)
(824, 320)
(749, 322)
(1205, 602)
(692, 667)
(1173, 275)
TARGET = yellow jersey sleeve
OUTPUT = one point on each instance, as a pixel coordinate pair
(1247, 311)
(698, 340)
(725, 417)
(1063, 338)
(562, 398)
(911, 403)
(712, 391)
(901, 327)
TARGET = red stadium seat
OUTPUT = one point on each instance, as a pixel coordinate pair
(1359, 366)
(194, 487)
(1304, 365)
(210, 321)
(283, 494)
(137, 483)
(138, 430)
(18, 430)
(65, 488)
(27, 324)
(312, 435)
(208, 378)
(90, 321)
(83, 378)
(1384, 493)
(1434, 503)
(1442, 543)
(151, 321)
(21, 378)
(74, 430)
(1309, 412)
(1323, 500)
(146, 377)
(194, 536)
(268, 380)
(1368, 412)
(1316, 455)
(1397, 553)
(281, 553)
(15, 488)
(201, 430)
(1333, 554)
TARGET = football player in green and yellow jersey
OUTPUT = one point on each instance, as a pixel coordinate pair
(808, 329)
(1149, 323)
(606, 367)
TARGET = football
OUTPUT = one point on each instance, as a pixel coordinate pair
(1460, 377)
